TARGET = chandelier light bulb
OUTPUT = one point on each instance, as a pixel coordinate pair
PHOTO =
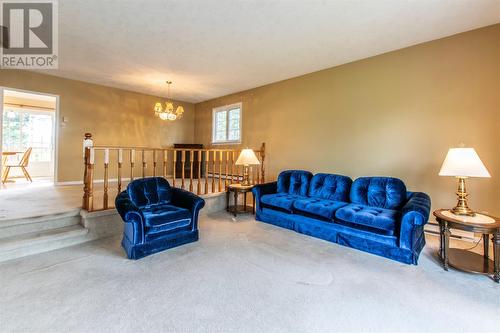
(163, 116)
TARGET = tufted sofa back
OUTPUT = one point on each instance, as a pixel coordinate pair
(330, 186)
(294, 182)
(382, 192)
(149, 191)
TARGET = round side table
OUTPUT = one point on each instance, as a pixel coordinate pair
(237, 189)
(463, 259)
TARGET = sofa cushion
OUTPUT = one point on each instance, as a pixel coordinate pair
(330, 186)
(282, 201)
(163, 214)
(317, 207)
(149, 191)
(384, 220)
(382, 192)
(294, 182)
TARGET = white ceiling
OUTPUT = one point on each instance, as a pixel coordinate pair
(215, 47)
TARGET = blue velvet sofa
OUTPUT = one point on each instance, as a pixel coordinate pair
(157, 217)
(372, 214)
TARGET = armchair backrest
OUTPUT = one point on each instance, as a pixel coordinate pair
(330, 187)
(294, 182)
(149, 191)
(382, 192)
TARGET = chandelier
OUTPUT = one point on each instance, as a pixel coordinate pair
(167, 112)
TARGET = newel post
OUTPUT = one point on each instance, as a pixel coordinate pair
(88, 143)
(263, 156)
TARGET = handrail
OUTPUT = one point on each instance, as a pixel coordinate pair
(201, 171)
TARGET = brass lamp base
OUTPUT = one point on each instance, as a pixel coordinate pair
(462, 208)
(246, 177)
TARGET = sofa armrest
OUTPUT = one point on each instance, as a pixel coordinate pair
(414, 214)
(132, 216)
(263, 189)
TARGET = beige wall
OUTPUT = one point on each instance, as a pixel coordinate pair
(113, 116)
(395, 114)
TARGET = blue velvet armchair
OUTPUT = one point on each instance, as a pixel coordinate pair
(157, 216)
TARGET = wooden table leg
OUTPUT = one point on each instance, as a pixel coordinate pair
(486, 246)
(245, 202)
(441, 241)
(235, 203)
(227, 201)
(496, 253)
(446, 248)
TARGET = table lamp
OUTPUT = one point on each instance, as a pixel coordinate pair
(463, 163)
(247, 157)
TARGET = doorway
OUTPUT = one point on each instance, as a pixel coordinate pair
(28, 138)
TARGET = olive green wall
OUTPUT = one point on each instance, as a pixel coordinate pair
(395, 114)
(113, 116)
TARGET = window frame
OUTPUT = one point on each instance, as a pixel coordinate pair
(34, 111)
(226, 108)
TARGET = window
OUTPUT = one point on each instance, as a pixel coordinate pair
(24, 128)
(226, 125)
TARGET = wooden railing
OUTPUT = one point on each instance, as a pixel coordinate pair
(210, 170)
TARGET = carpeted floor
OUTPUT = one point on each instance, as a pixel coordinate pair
(242, 276)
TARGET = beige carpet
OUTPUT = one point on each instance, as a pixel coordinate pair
(242, 276)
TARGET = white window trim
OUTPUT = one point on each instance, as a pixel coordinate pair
(227, 108)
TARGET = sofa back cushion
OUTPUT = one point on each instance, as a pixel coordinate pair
(330, 186)
(382, 192)
(294, 182)
(149, 191)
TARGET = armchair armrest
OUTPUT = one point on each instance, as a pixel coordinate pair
(414, 214)
(190, 201)
(263, 189)
(187, 200)
(132, 216)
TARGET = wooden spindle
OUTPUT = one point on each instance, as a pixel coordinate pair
(183, 163)
(255, 173)
(132, 159)
(90, 176)
(263, 156)
(120, 161)
(198, 186)
(106, 164)
(232, 168)
(191, 171)
(238, 178)
(154, 163)
(257, 153)
(86, 159)
(165, 160)
(226, 180)
(213, 170)
(143, 164)
(174, 168)
(207, 161)
(220, 171)
(87, 144)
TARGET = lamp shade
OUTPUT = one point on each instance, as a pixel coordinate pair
(247, 157)
(463, 162)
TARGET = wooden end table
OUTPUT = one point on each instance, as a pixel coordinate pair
(463, 259)
(237, 189)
